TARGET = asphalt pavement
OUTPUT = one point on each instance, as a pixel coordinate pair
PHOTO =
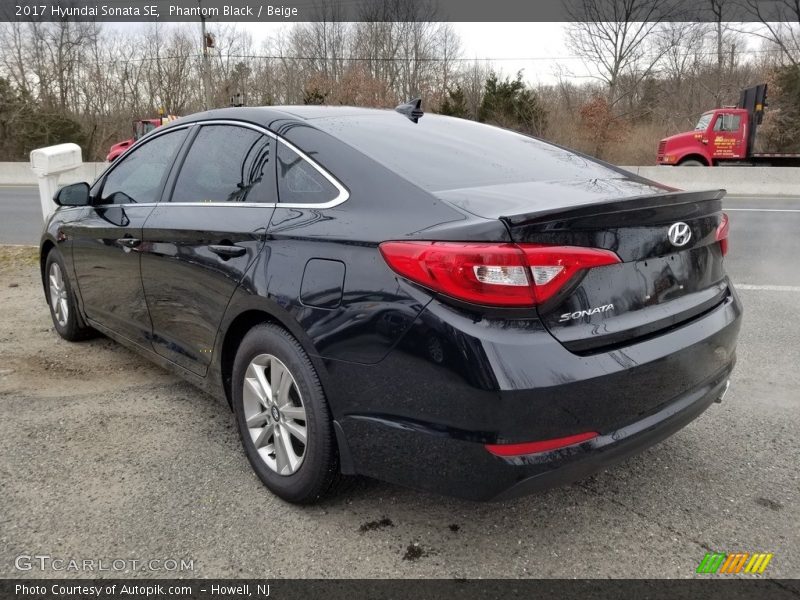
(105, 455)
(21, 219)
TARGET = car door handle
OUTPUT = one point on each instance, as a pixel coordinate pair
(227, 251)
(129, 242)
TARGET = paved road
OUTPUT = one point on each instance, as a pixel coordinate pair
(107, 456)
(20, 215)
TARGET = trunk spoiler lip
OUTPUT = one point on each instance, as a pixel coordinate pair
(613, 205)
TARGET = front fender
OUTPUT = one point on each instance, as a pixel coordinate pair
(54, 236)
(689, 151)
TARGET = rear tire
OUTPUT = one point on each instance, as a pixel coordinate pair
(691, 163)
(67, 321)
(282, 416)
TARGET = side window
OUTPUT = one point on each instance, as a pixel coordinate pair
(227, 163)
(138, 178)
(727, 123)
(299, 182)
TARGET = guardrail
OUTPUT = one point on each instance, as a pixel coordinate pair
(746, 181)
(762, 181)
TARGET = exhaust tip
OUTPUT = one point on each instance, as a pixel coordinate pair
(723, 392)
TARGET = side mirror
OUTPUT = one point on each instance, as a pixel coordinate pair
(76, 194)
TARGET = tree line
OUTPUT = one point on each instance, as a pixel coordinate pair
(87, 82)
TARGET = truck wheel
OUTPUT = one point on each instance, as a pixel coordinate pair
(691, 163)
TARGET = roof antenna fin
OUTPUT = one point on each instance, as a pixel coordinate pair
(412, 109)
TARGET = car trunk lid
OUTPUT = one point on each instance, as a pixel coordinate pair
(658, 285)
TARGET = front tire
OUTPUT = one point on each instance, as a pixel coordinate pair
(691, 163)
(61, 299)
(282, 416)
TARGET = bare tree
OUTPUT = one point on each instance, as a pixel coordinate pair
(781, 24)
(616, 38)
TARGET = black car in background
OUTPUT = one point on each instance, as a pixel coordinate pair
(429, 301)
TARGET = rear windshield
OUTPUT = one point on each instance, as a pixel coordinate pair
(443, 153)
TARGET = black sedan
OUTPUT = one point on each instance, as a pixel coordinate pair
(421, 299)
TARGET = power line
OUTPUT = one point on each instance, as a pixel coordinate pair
(389, 59)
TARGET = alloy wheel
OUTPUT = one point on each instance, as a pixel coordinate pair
(274, 414)
(58, 295)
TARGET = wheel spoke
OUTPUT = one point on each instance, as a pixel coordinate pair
(263, 437)
(281, 452)
(298, 431)
(264, 383)
(63, 305)
(256, 388)
(291, 456)
(292, 412)
(284, 389)
(258, 420)
(53, 283)
(277, 373)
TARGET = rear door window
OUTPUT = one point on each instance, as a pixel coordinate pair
(228, 163)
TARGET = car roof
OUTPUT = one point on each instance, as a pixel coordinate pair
(265, 115)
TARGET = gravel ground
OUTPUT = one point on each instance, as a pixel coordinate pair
(106, 456)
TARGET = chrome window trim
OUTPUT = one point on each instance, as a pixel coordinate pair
(146, 138)
(343, 195)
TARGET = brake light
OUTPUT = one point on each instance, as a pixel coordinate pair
(722, 234)
(492, 274)
(542, 446)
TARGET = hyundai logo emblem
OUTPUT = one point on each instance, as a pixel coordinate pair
(679, 234)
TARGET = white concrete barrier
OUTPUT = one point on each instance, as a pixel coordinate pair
(756, 181)
(20, 173)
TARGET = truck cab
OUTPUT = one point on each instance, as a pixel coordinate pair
(720, 135)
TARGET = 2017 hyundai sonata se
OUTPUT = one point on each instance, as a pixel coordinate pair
(425, 300)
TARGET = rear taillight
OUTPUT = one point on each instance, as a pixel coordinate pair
(492, 274)
(722, 234)
(541, 446)
(553, 266)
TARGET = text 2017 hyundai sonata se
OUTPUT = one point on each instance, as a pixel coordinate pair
(441, 304)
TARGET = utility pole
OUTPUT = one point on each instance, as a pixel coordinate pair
(206, 81)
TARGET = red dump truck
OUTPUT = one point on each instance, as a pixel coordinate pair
(140, 129)
(725, 136)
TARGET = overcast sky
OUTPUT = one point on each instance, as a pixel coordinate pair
(538, 49)
(532, 47)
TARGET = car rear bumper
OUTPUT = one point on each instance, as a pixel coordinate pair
(422, 421)
(455, 467)
(571, 465)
